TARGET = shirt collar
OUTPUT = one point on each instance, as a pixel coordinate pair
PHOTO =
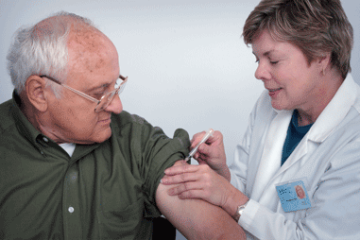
(37, 139)
(335, 111)
(22, 123)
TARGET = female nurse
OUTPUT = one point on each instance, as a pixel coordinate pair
(304, 130)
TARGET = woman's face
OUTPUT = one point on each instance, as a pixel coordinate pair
(300, 192)
(292, 83)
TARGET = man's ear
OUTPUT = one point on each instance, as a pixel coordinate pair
(36, 92)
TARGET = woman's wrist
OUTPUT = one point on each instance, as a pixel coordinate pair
(235, 199)
(225, 172)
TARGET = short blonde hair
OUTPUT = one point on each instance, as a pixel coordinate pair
(317, 27)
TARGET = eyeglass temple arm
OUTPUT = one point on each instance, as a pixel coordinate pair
(81, 93)
(78, 92)
(122, 77)
(73, 90)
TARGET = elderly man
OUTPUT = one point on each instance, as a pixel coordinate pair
(73, 164)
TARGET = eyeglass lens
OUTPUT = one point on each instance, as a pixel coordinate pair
(107, 99)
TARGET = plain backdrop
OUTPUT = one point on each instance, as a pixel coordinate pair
(187, 64)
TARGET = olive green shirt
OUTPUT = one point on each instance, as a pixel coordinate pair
(103, 191)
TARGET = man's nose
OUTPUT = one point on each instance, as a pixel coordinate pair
(115, 105)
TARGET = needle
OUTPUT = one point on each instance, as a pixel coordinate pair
(207, 135)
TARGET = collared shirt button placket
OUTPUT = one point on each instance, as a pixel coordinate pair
(71, 207)
(42, 143)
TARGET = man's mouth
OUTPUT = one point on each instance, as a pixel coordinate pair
(105, 121)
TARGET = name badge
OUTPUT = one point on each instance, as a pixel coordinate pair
(293, 196)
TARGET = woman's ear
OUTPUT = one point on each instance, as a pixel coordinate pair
(324, 63)
(35, 89)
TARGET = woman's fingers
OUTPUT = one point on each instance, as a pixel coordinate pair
(198, 181)
(186, 168)
(179, 178)
(186, 189)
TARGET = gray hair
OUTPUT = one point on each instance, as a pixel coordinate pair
(42, 49)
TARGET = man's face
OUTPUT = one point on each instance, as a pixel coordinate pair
(94, 70)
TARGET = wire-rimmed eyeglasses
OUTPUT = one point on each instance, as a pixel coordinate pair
(104, 101)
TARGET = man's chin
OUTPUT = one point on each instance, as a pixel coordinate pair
(95, 139)
(103, 138)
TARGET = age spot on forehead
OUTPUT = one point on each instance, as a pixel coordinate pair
(89, 49)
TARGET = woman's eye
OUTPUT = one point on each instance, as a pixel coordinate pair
(273, 62)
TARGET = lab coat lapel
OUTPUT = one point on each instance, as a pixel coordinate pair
(269, 172)
(298, 153)
(271, 157)
(336, 110)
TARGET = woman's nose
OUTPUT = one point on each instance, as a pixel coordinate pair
(262, 72)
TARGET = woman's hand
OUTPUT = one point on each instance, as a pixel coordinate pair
(212, 153)
(197, 181)
(201, 182)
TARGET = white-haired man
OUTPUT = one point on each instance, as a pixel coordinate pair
(73, 164)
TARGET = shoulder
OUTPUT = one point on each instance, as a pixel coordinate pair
(126, 124)
(131, 123)
(356, 104)
(6, 117)
(125, 118)
(131, 126)
(348, 94)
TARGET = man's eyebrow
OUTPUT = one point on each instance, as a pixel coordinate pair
(102, 85)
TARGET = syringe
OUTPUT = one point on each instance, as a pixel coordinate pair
(206, 136)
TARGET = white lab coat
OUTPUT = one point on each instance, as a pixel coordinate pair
(327, 159)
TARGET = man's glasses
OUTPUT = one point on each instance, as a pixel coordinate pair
(104, 101)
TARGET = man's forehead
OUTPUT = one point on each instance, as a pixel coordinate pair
(87, 39)
(92, 58)
(92, 49)
(91, 79)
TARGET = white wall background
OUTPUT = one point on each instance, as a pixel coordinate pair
(187, 64)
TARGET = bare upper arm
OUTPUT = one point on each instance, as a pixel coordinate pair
(197, 219)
